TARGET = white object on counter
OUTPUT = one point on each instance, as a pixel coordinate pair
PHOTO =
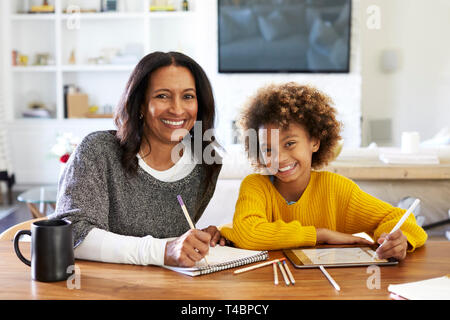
(410, 142)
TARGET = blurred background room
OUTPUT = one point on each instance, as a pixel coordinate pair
(385, 63)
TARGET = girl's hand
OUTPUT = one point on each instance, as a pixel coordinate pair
(216, 237)
(395, 246)
(187, 249)
(335, 237)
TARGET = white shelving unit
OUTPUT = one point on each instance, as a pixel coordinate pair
(87, 33)
(90, 35)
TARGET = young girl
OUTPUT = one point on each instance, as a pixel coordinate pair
(296, 205)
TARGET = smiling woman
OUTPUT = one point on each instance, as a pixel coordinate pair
(146, 104)
(126, 182)
(171, 104)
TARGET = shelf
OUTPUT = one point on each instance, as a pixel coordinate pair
(32, 16)
(171, 14)
(34, 68)
(103, 15)
(127, 15)
(49, 121)
(74, 68)
(100, 116)
(89, 68)
(33, 33)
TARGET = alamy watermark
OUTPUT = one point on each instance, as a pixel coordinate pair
(373, 21)
(374, 280)
(74, 280)
(73, 20)
(261, 143)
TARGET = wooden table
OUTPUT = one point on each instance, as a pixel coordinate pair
(101, 281)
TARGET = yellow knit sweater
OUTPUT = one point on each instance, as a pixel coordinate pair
(264, 221)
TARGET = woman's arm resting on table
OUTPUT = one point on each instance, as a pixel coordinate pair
(105, 246)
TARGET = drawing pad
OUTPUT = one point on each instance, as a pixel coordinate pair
(335, 257)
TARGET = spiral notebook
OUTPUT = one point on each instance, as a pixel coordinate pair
(222, 258)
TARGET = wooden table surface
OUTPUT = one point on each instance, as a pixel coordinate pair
(101, 281)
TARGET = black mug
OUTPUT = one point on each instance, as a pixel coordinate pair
(51, 249)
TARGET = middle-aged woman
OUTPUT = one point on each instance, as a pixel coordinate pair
(119, 188)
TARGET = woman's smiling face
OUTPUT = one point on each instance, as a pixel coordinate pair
(172, 103)
(287, 153)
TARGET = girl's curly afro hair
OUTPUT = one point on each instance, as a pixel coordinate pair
(293, 103)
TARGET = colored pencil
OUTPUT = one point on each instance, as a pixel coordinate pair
(188, 218)
(291, 277)
(286, 280)
(275, 273)
(255, 266)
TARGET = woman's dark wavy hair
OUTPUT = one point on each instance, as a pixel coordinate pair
(130, 128)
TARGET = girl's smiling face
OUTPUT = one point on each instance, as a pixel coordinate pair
(287, 153)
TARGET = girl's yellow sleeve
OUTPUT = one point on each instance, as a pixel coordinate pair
(253, 227)
(374, 216)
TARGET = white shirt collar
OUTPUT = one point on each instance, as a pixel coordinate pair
(182, 168)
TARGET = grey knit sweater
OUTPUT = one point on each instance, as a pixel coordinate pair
(108, 198)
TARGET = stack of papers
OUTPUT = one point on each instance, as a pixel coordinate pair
(431, 289)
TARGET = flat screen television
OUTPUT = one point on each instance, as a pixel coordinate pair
(304, 36)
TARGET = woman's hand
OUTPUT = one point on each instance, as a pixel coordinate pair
(216, 237)
(187, 249)
(395, 246)
(335, 237)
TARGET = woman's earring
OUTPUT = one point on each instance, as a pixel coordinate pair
(141, 116)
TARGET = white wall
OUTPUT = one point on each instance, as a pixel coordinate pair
(231, 90)
(416, 96)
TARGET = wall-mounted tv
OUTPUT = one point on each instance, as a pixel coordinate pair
(304, 36)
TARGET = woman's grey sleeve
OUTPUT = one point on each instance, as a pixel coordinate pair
(82, 192)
